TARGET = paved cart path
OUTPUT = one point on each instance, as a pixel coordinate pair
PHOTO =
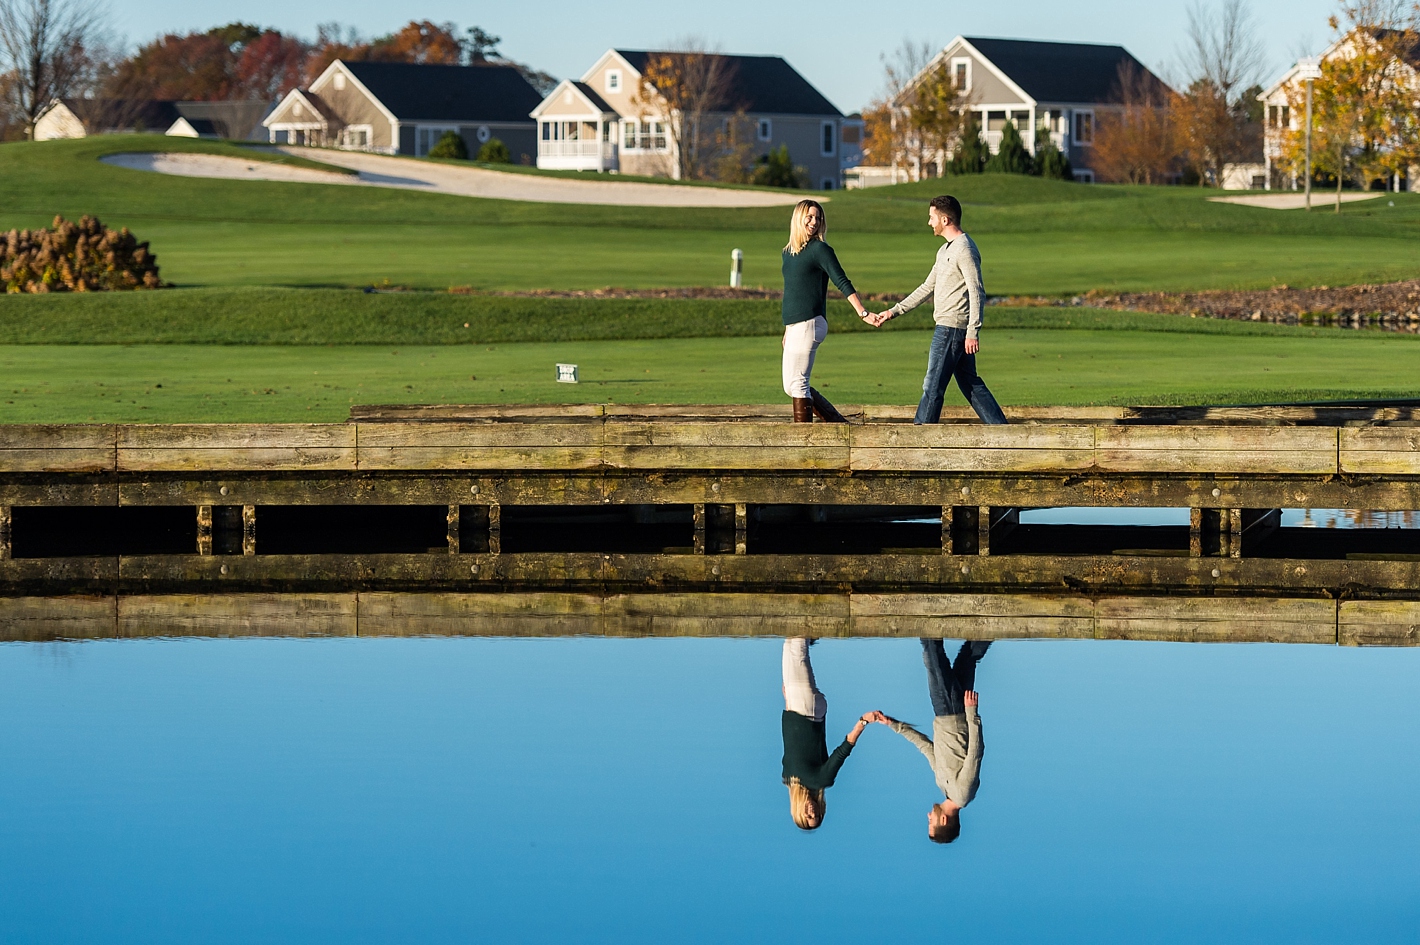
(377, 170)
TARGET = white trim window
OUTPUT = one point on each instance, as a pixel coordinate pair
(613, 81)
(764, 129)
(961, 73)
(338, 80)
(643, 136)
(827, 139)
(357, 137)
(1084, 131)
(426, 136)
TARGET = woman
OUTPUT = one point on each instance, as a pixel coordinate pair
(808, 767)
(809, 263)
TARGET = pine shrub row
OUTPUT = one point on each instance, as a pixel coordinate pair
(76, 257)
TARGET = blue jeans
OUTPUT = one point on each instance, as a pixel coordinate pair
(946, 359)
(947, 684)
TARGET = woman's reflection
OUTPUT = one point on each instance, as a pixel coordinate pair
(955, 748)
(808, 767)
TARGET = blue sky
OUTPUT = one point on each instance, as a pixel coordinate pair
(835, 43)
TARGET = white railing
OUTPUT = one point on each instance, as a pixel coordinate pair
(993, 141)
(606, 150)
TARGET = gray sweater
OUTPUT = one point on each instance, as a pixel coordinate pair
(954, 752)
(955, 286)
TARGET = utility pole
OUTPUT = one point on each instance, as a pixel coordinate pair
(1309, 69)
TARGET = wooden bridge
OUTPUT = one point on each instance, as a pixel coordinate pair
(630, 499)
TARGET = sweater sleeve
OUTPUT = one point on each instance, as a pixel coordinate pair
(970, 264)
(829, 260)
(919, 294)
(835, 761)
(921, 742)
(970, 777)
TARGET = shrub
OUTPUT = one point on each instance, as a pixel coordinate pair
(970, 154)
(1050, 162)
(449, 145)
(76, 257)
(495, 152)
(1011, 157)
(776, 169)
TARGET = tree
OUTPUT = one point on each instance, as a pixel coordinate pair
(450, 146)
(890, 135)
(235, 61)
(270, 66)
(1011, 156)
(776, 169)
(686, 86)
(937, 110)
(43, 51)
(1137, 142)
(1224, 56)
(971, 153)
(420, 41)
(494, 151)
(1050, 162)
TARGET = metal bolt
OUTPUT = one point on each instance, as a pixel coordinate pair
(1217, 492)
(224, 569)
(714, 487)
(473, 569)
(223, 490)
(965, 569)
(966, 490)
(715, 570)
(1217, 573)
(473, 490)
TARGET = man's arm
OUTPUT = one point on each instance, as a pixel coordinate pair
(970, 777)
(918, 296)
(970, 265)
(920, 741)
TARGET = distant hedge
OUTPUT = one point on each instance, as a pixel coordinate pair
(76, 257)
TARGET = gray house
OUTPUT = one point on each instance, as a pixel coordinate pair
(404, 108)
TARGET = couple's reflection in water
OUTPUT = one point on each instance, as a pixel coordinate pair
(953, 750)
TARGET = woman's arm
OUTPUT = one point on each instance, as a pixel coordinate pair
(828, 259)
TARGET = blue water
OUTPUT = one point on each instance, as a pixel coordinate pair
(477, 790)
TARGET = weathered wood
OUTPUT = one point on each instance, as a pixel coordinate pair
(57, 618)
(204, 530)
(6, 532)
(1380, 451)
(56, 448)
(248, 530)
(1226, 450)
(698, 525)
(741, 528)
(726, 457)
(1208, 619)
(495, 529)
(1379, 623)
(455, 528)
(500, 458)
(211, 447)
(237, 615)
(1210, 533)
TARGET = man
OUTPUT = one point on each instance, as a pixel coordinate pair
(957, 299)
(955, 748)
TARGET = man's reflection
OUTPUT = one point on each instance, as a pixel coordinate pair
(808, 767)
(955, 748)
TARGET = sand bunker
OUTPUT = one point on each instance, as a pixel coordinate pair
(376, 170)
(1292, 200)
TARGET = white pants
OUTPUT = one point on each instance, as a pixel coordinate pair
(801, 341)
(801, 694)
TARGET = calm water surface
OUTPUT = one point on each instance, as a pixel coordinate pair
(462, 790)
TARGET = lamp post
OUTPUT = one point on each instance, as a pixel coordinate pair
(1309, 70)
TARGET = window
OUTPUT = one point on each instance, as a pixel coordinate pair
(547, 131)
(628, 135)
(827, 184)
(961, 74)
(659, 142)
(765, 129)
(828, 135)
(1286, 116)
(647, 136)
(613, 80)
(426, 136)
(339, 82)
(1084, 127)
(356, 136)
(1084, 177)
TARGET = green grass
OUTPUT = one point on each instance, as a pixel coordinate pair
(166, 383)
(275, 316)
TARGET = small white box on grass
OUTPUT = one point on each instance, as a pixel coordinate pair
(566, 373)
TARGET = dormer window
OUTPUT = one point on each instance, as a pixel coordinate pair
(613, 80)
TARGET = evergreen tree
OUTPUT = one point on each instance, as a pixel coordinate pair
(970, 154)
(1050, 162)
(776, 169)
(450, 145)
(494, 152)
(1011, 157)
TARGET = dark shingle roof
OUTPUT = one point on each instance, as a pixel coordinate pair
(236, 119)
(124, 114)
(591, 93)
(765, 84)
(1060, 72)
(415, 92)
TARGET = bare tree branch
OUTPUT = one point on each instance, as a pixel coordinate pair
(1224, 47)
(689, 84)
(43, 46)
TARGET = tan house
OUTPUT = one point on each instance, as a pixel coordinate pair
(404, 108)
(1054, 89)
(597, 123)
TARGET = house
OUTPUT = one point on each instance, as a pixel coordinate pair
(79, 117)
(404, 108)
(600, 123)
(1043, 88)
(1284, 111)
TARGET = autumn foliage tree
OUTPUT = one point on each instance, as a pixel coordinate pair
(1138, 141)
(689, 87)
(235, 61)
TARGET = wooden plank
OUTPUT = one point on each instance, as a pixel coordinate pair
(491, 458)
(204, 530)
(57, 618)
(237, 615)
(248, 530)
(480, 412)
(1380, 451)
(478, 435)
(972, 437)
(1276, 450)
(945, 459)
(1214, 620)
(774, 436)
(1379, 623)
(697, 515)
(741, 528)
(57, 448)
(211, 447)
(726, 457)
(455, 524)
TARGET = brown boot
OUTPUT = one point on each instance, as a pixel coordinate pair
(825, 410)
(803, 410)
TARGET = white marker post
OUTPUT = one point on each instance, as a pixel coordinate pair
(1309, 70)
(737, 267)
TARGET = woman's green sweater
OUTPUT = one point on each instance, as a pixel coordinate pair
(806, 281)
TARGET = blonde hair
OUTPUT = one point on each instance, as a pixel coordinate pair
(804, 801)
(799, 233)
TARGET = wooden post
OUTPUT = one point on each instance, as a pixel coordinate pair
(699, 518)
(946, 529)
(495, 529)
(248, 529)
(453, 531)
(741, 528)
(1210, 533)
(960, 524)
(1235, 533)
(983, 530)
(204, 530)
(6, 530)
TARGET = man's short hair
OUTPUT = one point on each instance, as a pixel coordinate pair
(947, 832)
(949, 207)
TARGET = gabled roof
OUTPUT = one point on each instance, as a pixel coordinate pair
(1060, 72)
(416, 92)
(1411, 57)
(194, 128)
(582, 90)
(123, 114)
(235, 119)
(763, 84)
(319, 109)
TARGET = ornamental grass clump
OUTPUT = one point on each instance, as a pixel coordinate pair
(76, 257)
